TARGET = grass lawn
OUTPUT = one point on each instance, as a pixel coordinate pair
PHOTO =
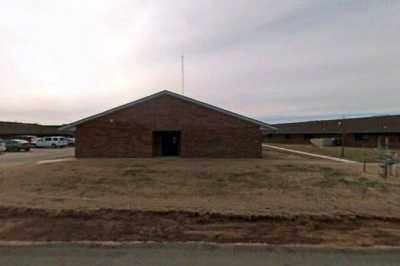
(355, 154)
(279, 184)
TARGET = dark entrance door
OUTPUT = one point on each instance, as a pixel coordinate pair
(166, 143)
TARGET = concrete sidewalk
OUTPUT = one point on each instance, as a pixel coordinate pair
(56, 161)
(310, 154)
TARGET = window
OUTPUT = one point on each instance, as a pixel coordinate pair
(360, 137)
(47, 139)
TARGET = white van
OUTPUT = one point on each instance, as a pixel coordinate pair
(52, 142)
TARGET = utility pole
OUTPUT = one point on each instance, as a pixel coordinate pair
(343, 136)
(183, 73)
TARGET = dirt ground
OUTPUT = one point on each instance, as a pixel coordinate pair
(281, 198)
(21, 224)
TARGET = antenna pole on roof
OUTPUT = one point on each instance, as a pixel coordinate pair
(183, 74)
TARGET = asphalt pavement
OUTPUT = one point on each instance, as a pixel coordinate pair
(193, 255)
(34, 156)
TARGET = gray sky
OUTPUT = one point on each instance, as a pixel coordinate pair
(272, 60)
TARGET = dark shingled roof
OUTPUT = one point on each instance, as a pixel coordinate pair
(376, 124)
(15, 128)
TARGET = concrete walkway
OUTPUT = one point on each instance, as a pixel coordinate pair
(56, 161)
(310, 154)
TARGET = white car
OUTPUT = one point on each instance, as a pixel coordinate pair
(52, 142)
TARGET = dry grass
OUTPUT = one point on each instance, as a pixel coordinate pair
(278, 184)
(355, 154)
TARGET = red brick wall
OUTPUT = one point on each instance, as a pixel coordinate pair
(372, 141)
(204, 132)
(350, 141)
(294, 138)
(286, 139)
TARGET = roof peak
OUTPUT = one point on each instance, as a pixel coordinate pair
(173, 94)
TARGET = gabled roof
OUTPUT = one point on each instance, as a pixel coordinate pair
(172, 94)
(16, 128)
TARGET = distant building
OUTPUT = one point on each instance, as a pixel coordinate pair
(168, 124)
(359, 132)
(14, 129)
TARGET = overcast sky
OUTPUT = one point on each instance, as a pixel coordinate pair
(62, 60)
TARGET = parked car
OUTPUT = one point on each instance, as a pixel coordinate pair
(17, 145)
(29, 138)
(2, 146)
(52, 142)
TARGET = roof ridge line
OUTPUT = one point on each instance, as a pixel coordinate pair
(173, 94)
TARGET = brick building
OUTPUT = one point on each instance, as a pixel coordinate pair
(168, 124)
(358, 132)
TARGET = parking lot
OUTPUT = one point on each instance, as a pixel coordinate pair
(34, 156)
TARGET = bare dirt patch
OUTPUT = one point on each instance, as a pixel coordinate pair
(22, 224)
